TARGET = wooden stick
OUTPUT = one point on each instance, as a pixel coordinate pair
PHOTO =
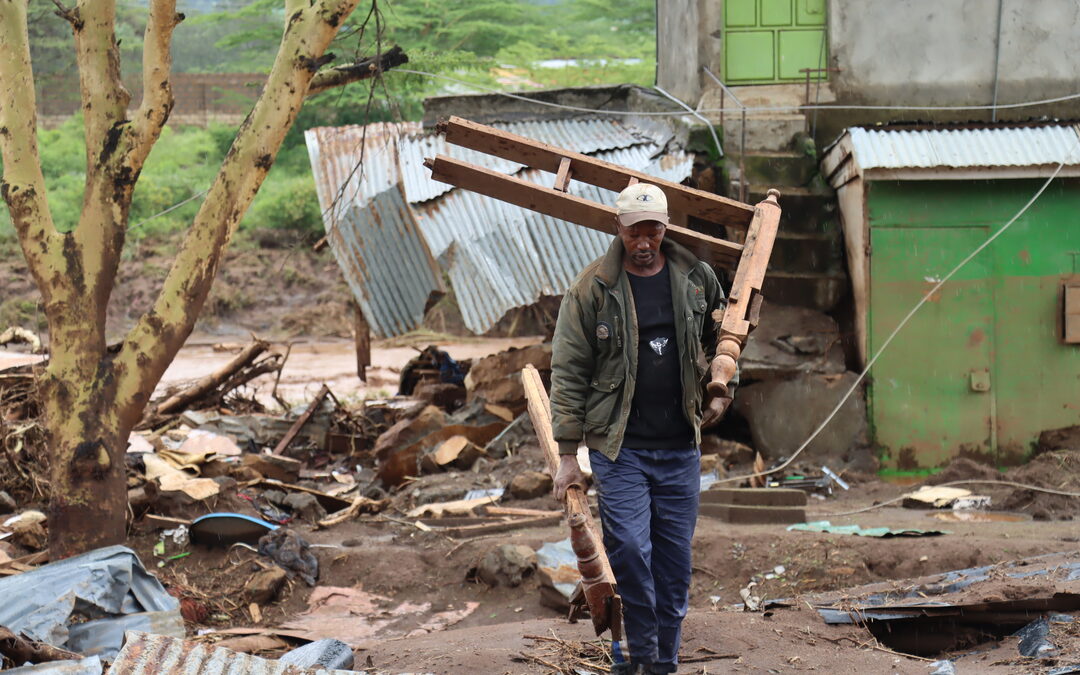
(298, 425)
(597, 579)
(205, 385)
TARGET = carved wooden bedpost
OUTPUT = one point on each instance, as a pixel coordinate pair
(744, 302)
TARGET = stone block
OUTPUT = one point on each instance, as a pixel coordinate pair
(791, 341)
(530, 485)
(265, 585)
(783, 413)
(284, 469)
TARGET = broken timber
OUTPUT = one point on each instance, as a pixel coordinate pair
(597, 579)
(555, 202)
(760, 222)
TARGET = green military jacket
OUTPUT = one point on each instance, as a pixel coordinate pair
(595, 349)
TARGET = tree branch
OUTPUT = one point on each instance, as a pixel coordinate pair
(157, 101)
(153, 342)
(23, 185)
(353, 72)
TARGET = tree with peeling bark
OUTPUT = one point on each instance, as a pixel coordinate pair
(94, 394)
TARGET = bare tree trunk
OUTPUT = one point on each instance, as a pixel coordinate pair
(93, 398)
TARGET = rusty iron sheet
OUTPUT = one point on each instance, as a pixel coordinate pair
(147, 654)
(497, 256)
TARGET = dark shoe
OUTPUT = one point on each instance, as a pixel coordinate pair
(659, 669)
(625, 668)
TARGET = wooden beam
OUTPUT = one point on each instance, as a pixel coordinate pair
(744, 301)
(551, 202)
(681, 199)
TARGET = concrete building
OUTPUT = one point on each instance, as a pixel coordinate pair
(880, 52)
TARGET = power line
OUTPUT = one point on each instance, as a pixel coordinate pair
(168, 210)
(796, 108)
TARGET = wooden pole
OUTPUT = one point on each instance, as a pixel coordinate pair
(744, 301)
(597, 579)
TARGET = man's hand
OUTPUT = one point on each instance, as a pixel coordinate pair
(569, 473)
(714, 411)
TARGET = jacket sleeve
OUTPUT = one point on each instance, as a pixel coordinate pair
(709, 329)
(572, 364)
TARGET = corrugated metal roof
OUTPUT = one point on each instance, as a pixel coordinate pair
(386, 262)
(964, 148)
(497, 256)
(147, 654)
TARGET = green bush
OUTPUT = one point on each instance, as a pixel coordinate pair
(286, 201)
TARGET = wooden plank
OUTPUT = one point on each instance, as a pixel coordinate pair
(705, 205)
(739, 317)
(24, 564)
(551, 202)
(515, 511)
(162, 522)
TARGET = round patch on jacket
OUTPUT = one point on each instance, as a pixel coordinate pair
(603, 330)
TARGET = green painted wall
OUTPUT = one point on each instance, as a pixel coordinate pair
(997, 322)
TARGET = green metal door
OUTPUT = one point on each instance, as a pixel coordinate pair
(771, 40)
(931, 392)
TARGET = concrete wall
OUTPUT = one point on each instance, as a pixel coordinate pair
(680, 37)
(941, 52)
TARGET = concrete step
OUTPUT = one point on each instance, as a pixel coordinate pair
(754, 496)
(816, 290)
(802, 252)
(779, 168)
(754, 515)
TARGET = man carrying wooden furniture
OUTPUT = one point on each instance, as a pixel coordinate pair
(632, 347)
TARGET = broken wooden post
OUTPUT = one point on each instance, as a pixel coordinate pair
(301, 421)
(362, 338)
(556, 204)
(597, 579)
(744, 301)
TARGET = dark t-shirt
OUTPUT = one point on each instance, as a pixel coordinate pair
(656, 413)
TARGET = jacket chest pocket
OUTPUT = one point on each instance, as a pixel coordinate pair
(601, 402)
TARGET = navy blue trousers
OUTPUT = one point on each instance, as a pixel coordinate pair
(648, 509)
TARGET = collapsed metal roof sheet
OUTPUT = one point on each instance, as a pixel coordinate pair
(386, 262)
(496, 255)
(148, 654)
(965, 148)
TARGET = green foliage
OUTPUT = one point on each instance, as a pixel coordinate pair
(502, 44)
(286, 201)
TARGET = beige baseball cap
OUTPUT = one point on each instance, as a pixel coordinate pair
(639, 202)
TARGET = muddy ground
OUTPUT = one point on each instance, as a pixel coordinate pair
(416, 608)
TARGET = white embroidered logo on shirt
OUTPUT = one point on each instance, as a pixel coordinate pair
(658, 345)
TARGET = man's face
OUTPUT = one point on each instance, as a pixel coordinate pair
(642, 241)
